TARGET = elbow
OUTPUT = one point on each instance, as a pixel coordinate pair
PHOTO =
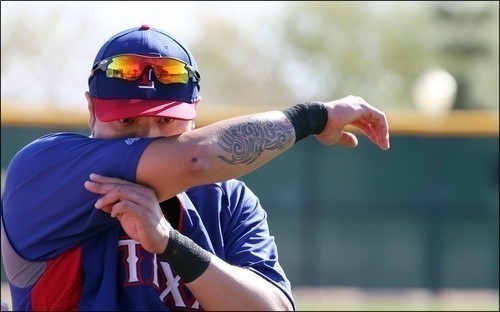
(199, 170)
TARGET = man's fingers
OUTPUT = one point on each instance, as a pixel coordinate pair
(384, 142)
(123, 207)
(383, 135)
(373, 123)
(113, 193)
(98, 188)
(348, 139)
(378, 123)
(107, 208)
(102, 185)
(94, 177)
(368, 130)
(377, 134)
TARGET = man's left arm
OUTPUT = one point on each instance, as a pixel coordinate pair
(216, 284)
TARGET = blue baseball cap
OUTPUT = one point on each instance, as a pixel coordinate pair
(116, 98)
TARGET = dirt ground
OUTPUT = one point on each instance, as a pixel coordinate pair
(355, 299)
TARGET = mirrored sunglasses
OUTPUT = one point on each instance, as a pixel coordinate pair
(131, 67)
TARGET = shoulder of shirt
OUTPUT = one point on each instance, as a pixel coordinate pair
(60, 135)
(53, 137)
(77, 136)
(225, 188)
(227, 185)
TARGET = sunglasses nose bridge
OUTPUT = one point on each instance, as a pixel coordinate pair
(143, 68)
(145, 75)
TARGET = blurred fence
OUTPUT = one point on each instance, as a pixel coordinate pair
(423, 214)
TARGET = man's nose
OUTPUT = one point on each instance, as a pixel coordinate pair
(153, 131)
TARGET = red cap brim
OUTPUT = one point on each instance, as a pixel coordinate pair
(110, 110)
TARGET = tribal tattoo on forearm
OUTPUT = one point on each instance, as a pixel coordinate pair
(246, 142)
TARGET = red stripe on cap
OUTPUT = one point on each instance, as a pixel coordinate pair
(109, 110)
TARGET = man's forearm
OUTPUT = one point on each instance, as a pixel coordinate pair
(226, 287)
(244, 143)
(217, 152)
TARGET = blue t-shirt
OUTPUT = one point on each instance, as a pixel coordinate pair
(61, 253)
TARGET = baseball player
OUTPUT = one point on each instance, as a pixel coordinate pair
(146, 212)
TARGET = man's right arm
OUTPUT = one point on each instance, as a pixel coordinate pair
(236, 146)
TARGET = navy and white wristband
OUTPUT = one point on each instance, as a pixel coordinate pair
(307, 118)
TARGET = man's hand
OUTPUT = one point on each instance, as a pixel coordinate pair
(136, 207)
(356, 112)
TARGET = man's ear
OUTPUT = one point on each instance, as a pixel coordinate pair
(90, 106)
(198, 100)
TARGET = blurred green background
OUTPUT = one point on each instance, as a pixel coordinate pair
(422, 216)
